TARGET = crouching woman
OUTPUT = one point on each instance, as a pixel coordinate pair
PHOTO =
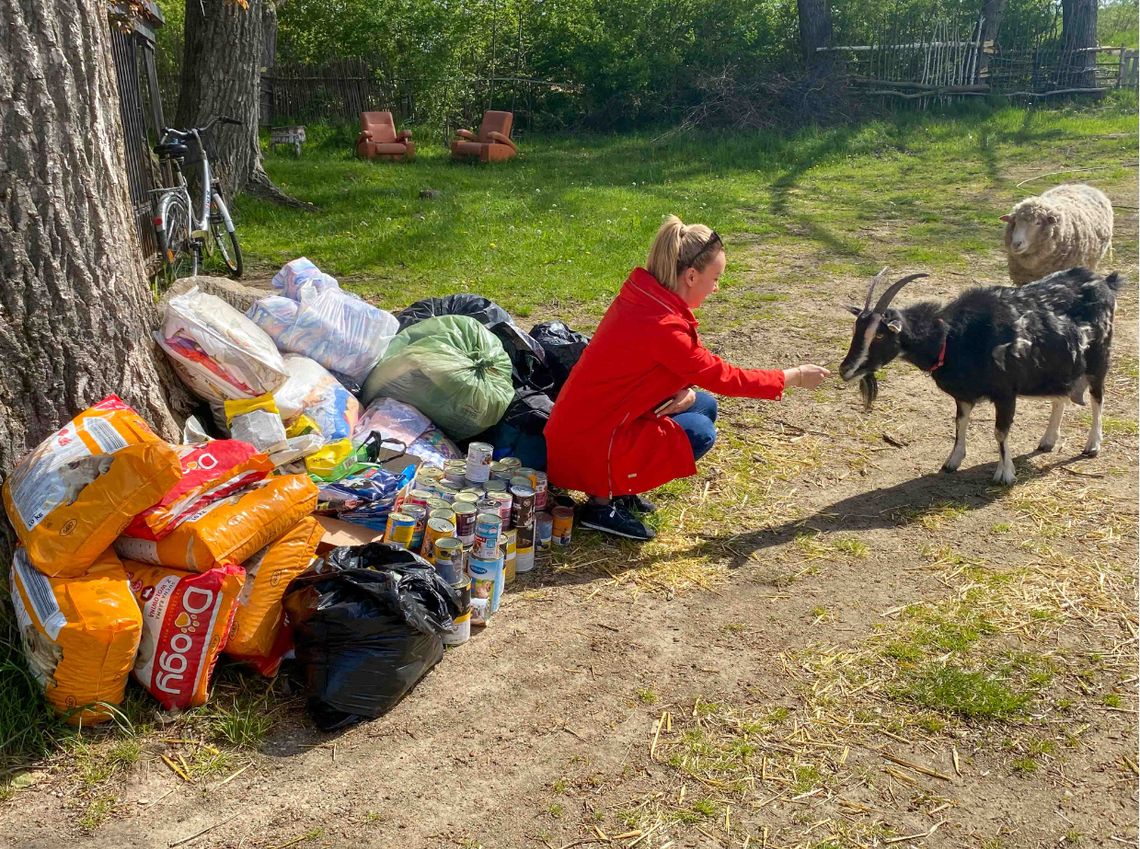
(633, 414)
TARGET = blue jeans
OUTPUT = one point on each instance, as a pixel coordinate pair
(698, 423)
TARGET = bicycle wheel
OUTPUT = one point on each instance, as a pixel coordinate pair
(222, 231)
(179, 253)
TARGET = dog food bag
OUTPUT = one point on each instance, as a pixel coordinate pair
(70, 497)
(79, 635)
(217, 351)
(259, 617)
(230, 530)
(210, 471)
(186, 618)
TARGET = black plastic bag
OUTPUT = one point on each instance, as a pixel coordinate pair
(368, 623)
(528, 358)
(520, 432)
(485, 311)
(563, 347)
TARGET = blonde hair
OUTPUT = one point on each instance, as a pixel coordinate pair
(675, 247)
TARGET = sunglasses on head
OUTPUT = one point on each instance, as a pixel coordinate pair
(713, 239)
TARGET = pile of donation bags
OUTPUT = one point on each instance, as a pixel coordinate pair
(143, 558)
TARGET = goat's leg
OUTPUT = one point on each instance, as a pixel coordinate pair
(1049, 440)
(1003, 420)
(1096, 391)
(961, 421)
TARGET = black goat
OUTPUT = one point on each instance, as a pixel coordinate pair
(1050, 338)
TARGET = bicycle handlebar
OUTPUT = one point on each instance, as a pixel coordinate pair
(185, 134)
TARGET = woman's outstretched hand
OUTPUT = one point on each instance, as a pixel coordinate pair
(808, 376)
(679, 403)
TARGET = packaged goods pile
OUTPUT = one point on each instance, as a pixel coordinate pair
(360, 490)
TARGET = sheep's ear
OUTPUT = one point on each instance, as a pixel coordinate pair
(1007, 218)
(855, 311)
(894, 325)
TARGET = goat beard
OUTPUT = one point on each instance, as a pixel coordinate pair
(869, 390)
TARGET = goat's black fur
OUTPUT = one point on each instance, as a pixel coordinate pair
(1049, 338)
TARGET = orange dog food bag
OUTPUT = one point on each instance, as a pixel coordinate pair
(79, 635)
(73, 495)
(230, 530)
(186, 620)
(260, 616)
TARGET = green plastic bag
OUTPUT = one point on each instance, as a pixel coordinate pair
(452, 369)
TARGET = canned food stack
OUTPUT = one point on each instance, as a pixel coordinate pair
(522, 514)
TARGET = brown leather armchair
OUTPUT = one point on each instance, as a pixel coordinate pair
(493, 142)
(378, 138)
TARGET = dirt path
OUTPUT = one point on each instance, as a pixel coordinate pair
(820, 601)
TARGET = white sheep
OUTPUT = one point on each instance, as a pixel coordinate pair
(1066, 226)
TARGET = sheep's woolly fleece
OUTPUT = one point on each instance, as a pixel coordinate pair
(1081, 235)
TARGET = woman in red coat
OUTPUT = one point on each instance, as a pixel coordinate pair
(628, 418)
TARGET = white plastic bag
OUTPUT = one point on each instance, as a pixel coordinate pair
(394, 419)
(341, 332)
(302, 272)
(273, 314)
(218, 352)
(313, 391)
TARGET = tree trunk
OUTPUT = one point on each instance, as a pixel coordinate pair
(268, 60)
(1078, 31)
(76, 312)
(992, 13)
(815, 32)
(221, 75)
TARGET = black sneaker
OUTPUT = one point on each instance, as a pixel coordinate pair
(636, 503)
(614, 519)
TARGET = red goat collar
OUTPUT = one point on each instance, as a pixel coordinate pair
(941, 353)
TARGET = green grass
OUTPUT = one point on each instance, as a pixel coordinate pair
(562, 225)
(974, 695)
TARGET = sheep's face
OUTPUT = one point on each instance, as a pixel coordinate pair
(1027, 228)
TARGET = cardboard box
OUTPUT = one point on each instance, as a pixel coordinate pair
(338, 533)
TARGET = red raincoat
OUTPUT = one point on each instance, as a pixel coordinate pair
(603, 438)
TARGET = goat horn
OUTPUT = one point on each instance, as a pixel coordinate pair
(888, 296)
(879, 278)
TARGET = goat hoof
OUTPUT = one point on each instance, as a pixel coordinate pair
(1046, 447)
(948, 469)
(1004, 477)
(1091, 451)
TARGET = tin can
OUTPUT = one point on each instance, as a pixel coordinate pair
(511, 462)
(499, 472)
(505, 503)
(418, 496)
(429, 474)
(518, 481)
(524, 559)
(419, 513)
(465, 522)
(447, 488)
(479, 461)
(480, 611)
(507, 548)
(543, 530)
(449, 560)
(522, 506)
(495, 486)
(443, 513)
(488, 530)
(528, 473)
(436, 529)
(486, 581)
(541, 487)
(466, 496)
(437, 503)
(460, 631)
(455, 471)
(563, 526)
(400, 529)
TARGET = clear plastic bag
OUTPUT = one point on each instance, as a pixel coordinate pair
(393, 419)
(273, 314)
(313, 391)
(302, 273)
(218, 352)
(341, 332)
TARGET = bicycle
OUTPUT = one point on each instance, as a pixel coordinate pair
(184, 237)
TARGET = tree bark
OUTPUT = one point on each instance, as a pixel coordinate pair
(76, 312)
(815, 32)
(221, 75)
(992, 12)
(1078, 31)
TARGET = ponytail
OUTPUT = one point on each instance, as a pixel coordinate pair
(673, 243)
